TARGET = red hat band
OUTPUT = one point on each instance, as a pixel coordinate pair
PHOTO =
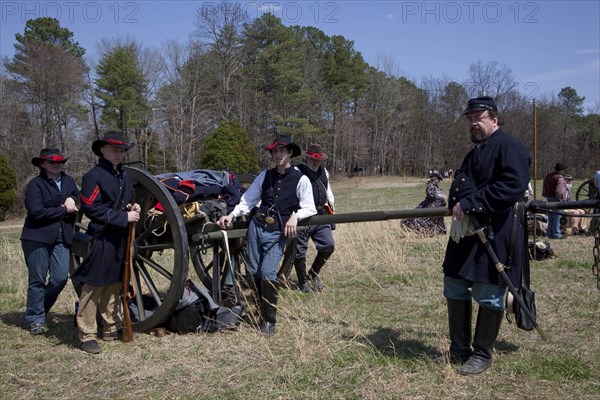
(317, 156)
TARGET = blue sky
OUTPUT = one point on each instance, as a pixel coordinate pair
(547, 44)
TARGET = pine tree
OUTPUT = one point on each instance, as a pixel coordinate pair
(229, 148)
(8, 185)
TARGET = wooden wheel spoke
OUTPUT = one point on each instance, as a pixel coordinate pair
(155, 266)
(150, 284)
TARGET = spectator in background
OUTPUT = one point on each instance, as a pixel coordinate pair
(434, 197)
(46, 236)
(554, 188)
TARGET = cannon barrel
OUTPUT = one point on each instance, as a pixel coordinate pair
(537, 205)
(212, 232)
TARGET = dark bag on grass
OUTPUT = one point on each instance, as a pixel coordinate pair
(194, 309)
(197, 312)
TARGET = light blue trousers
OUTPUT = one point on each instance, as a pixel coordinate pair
(485, 294)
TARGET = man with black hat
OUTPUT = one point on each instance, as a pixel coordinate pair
(46, 236)
(492, 178)
(554, 188)
(106, 195)
(284, 197)
(320, 234)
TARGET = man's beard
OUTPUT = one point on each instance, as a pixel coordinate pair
(477, 137)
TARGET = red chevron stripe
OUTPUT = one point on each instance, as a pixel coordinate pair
(90, 200)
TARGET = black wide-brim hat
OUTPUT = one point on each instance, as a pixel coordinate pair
(315, 152)
(49, 155)
(481, 103)
(285, 141)
(115, 138)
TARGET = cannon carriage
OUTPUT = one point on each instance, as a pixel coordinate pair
(163, 248)
(166, 241)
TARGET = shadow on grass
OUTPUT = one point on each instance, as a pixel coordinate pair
(390, 343)
(59, 326)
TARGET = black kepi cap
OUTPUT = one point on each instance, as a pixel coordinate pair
(481, 103)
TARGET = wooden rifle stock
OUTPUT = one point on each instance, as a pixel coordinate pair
(127, 335)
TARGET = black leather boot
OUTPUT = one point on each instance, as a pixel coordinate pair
(486, 332)
(459, 324)
(317, 264)
(270, 291)
(300, 265)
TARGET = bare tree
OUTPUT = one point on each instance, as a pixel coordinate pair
(493, 79)
(182, 103)
(219, 26)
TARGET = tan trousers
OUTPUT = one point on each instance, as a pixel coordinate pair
(98, 298)
(575, 220)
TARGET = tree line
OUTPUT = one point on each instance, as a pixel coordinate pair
(215, 102)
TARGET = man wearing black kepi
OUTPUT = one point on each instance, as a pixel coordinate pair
(492, 178)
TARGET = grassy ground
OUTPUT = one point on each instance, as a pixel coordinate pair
(367, 336)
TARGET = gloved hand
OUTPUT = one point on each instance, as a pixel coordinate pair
(461, 228)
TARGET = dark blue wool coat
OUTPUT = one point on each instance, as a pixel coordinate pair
(99, 193)
(45, 214)
(493, 176)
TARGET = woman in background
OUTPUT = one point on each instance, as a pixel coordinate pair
(434, 197)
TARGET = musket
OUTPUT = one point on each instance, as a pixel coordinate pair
(127, 335)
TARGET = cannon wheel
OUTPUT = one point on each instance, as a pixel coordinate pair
(586, 191)
(161, 253)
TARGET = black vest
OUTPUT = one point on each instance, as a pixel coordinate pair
(318, 180)
(278, 199)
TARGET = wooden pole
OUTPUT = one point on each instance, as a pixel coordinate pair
(534, 172)
(534, 149)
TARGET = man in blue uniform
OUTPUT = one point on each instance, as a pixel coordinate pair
(492, 178)
(46, 237)
(283, 197)
(320, 234)
(105, 200)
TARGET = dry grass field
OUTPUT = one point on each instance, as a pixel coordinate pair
(369, 335)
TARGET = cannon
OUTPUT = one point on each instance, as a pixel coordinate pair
(165, 243)
(162, 252)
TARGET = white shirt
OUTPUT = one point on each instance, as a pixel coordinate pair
(253, 195)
